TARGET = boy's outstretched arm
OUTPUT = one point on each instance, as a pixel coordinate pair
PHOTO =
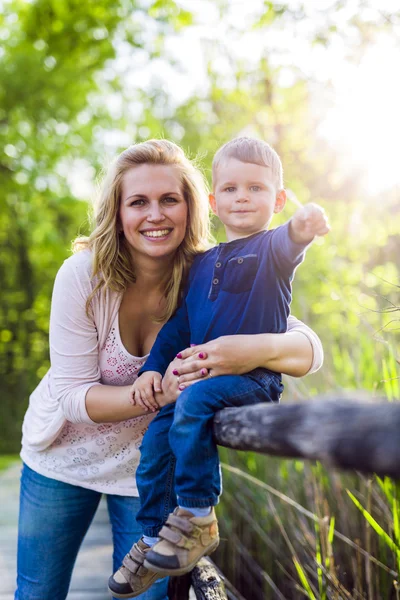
(307, 222)
(142, 391)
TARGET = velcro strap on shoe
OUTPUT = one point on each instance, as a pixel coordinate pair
(142, 571)
(134, 561)
(174, 537)
(170, 535)
(130, 564)
(136, 554)
(180, 523)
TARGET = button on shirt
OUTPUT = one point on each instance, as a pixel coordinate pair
(238, 287)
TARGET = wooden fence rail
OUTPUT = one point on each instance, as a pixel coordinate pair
(346, 434)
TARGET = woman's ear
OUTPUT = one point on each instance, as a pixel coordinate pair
(280, 201)
(213, 203)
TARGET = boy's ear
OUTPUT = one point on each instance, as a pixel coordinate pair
(280, 201)
(213, 203)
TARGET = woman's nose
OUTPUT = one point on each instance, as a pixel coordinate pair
(155, 213)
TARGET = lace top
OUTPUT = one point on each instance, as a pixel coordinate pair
(101, 457)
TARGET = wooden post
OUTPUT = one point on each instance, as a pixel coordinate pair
(205, 580)
(340, 433)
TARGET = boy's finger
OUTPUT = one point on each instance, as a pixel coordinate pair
(147, 403)
(323, 230)
(149, 392)
(157, 384)
(150, 400)
(153, 402)
(139, 401)
(152, 406)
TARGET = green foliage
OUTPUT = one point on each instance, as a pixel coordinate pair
(52, 55)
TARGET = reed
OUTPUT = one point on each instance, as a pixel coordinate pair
(296, 530)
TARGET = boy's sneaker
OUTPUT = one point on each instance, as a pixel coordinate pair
(132, 578)
(184, 540)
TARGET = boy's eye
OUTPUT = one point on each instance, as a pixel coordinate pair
(230, 188)
(255, 188)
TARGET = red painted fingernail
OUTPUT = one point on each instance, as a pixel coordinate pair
(201, 355)
(179, 355)
(203, 371)
(181, 387)
(175, 372)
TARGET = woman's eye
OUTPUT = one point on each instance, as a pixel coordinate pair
(170, 200)
(138, 202)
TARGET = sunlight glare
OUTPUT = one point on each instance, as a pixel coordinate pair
(365, 122)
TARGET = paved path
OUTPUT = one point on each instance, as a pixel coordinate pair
(95, 552)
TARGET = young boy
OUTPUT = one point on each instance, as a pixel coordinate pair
(242, 286)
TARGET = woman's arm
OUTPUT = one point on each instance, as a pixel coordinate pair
(74, 355)
(296, 353)
(296, 326)
(111, 403)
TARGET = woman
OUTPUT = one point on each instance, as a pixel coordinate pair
(81, 434)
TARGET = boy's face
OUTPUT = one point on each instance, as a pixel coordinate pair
(245, 198)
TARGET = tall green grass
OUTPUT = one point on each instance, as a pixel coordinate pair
(297, 530)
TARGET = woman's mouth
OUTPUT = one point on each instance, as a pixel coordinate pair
(156, 234)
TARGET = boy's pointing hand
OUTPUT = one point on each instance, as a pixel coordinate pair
(310, 220)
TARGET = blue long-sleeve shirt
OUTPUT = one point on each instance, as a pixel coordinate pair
(238, 287)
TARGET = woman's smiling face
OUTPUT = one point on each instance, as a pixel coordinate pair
(153, 211)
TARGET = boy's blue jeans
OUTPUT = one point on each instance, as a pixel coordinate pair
(54, 518)
(178, 452)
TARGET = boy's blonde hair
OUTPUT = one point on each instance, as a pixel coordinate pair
(112, 261)
(250, 150)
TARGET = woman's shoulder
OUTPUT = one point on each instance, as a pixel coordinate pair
(79, 264)
(76, 274)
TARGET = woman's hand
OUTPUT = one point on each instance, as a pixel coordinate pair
(291, 353)
(226, 355)
(169, 384)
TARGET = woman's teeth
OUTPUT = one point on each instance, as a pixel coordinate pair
(158, 233)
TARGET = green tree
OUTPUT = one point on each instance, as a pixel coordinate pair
(51, 60)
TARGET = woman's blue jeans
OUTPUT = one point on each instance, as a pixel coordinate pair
(54, 518)
(178, 453)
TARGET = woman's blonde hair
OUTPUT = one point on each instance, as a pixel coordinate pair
(112, 261)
